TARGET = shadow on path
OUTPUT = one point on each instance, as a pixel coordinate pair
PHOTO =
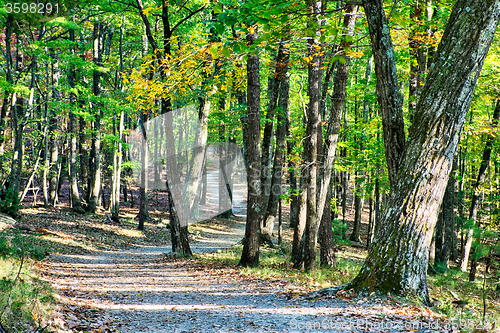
(142, 290)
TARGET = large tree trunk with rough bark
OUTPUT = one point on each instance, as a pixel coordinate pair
(398, 258)
(250, 254)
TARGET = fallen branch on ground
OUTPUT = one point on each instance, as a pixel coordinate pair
(42, 231)
(331, 291)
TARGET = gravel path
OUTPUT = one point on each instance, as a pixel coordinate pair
(144, 290)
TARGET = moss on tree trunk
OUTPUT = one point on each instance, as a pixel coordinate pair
(398, 258)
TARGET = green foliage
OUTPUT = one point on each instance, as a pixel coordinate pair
(24, 299)
(9, 204)
(16, 245)
(274, 264)
(339, 229)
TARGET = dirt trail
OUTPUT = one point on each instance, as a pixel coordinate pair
(143, 290)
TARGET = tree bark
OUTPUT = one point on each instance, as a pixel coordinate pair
(388, 94)
(398, 258)
(76, 203)
(143, 189)
(448, 221)
(283, 81)
(224, 189)
(17, 158)
(117, 153)
(292, 170)
(418, 51)
(95, 176)
(53, 137)
(328, 152)
(273, 92)
(300, 225)
(327, 247)
(313, 132)
(250, 254)
(9, 25)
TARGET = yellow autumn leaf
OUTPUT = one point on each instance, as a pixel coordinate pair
(147, 10)
(354, 54)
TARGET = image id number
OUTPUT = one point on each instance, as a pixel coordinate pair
(31, 7)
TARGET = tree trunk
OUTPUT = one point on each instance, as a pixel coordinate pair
(250, 254)
(17, 158)
(273, 91)
(474, 205)
(328, 152)
(327, 247)
(9, 25)
(313, 132)
(398, 258)
(388, 95)
(376, 209)
(53, 137)
(117, 153)
(224, 188)
(172, 180)
(95, 175)
(143, 189)
(283, 80)
(358, 207)
(449, 222)
(344, 186)
(300, 225)
(46, 160)
(76, 203)
(418, 52)
(175, 237)
(437, 240)
(292, 170)
(195, 170)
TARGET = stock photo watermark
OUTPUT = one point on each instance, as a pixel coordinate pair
(203, 178)
(365, 325)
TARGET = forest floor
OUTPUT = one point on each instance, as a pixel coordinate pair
(109, 277)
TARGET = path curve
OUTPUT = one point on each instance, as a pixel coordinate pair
(143, 290)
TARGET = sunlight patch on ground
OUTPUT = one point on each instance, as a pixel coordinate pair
(130, 233)
(69, 242)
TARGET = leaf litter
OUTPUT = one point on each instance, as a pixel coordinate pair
(139, 286)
